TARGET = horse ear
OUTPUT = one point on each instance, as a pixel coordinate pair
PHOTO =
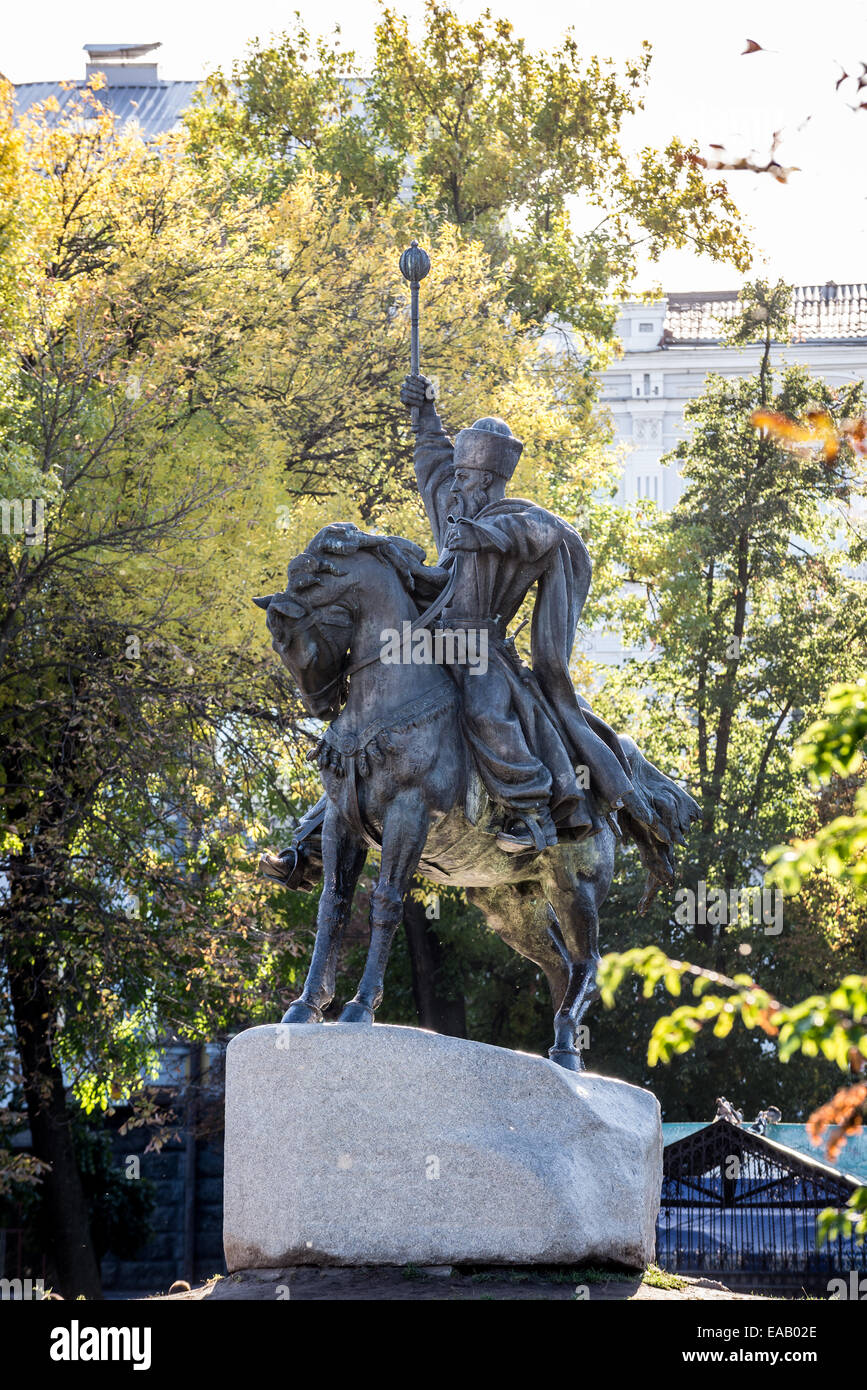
(287, 605)
(263, 602)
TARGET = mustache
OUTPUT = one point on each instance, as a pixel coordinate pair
(457, 500)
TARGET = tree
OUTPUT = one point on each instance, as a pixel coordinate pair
(521, 151)
(746, 605)
(109, 680)
(192, 378)
(831, 1025)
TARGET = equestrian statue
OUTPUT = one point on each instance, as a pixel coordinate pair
(495, 776)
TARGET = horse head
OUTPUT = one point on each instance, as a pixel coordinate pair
(313, 620)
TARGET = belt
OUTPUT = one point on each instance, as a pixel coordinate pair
(494, 625)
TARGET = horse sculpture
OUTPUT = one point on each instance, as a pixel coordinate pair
(399, 777)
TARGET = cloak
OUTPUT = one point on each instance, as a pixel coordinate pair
(528, 544)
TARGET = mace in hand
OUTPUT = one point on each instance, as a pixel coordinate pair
(414, 266)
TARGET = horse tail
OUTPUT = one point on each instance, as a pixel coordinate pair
(665, 815)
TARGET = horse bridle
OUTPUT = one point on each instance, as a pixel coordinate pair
(311, 621)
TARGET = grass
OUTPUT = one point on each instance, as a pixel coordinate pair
(551, 1274)
(504, 1276)
(661, 1279)
(547, 1274)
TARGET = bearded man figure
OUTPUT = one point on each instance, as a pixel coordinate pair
(552, 767)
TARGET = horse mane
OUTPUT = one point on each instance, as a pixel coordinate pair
(422, 582)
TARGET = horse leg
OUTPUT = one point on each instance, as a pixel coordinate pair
(575, 899)
(522, 918)
(404, 831)
(529, 924)
(343, 856)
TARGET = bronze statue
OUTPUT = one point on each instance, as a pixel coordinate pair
(497, 777)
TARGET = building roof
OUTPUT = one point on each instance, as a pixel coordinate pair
(121, 51)
(156, 107)
(822, 313)
(852, 1162)
(703, 1150)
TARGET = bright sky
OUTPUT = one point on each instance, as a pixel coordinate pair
(808, 231)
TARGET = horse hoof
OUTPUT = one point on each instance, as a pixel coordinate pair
(355, 1012)
(299, 1012)
(567, 1059)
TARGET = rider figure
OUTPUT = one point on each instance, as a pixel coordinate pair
(527, 729)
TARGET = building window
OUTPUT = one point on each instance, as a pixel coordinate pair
(645, 328)
(647, 384)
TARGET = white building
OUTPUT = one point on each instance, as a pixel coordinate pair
(669, 348)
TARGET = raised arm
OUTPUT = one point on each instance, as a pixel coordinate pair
(433, 455)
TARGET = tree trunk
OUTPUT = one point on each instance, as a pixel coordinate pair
(435, 1010)
(66, 1208)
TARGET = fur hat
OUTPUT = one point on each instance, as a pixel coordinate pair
(488, 446)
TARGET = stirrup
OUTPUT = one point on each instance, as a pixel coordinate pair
(535, 838)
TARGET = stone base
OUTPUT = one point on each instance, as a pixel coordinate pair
(349, 1145)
